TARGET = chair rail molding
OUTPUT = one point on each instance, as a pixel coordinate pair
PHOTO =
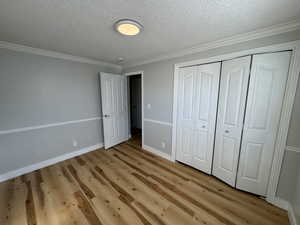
(158, 122)
(293, 149)
(23, 129)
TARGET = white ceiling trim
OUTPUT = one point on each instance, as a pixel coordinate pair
(58, 55)
(260, 33)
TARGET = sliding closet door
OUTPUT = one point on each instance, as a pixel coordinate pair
(196, 116)
(232, 100)
(266, 91)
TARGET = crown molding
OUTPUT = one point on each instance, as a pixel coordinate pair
(58, 55)
(257, 34)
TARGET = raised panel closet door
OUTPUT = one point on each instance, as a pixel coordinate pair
(204, 118)
(266, 92)
(231, 108)
(185, 114)
(196, 115)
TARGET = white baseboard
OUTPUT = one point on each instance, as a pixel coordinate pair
(281, 203)
(292, 215)
(157, 152)
(49, 162)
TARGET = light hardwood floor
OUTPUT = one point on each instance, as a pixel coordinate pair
(126, 185)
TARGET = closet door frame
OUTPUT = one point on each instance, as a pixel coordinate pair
(287, 105)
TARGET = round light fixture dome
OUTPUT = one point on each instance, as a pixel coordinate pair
(128, 27)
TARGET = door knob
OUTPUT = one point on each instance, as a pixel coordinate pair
(106, 116)
(226, 131)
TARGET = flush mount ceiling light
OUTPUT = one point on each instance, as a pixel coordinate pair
(128, 27)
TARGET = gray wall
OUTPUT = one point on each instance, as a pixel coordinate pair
(296, 198)
(158, 91)
(294, 134)
(291, 161)
(154, 132)
(38, 90)
(289, 185)
(288, 176)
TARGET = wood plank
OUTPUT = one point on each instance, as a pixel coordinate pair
(30, 209)
(84, 187)
(16, 203)
(60, 203)
(116, 205)
(87, 209)
(208, 182)
(143, 194)
(208, 218)
(128, 186)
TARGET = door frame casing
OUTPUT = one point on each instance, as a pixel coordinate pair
(287, 104)
(142, 78)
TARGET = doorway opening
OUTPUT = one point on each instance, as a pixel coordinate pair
(135, 102)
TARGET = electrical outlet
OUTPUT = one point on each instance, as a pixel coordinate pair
(148, 106)
(163, 144)
(74, 143)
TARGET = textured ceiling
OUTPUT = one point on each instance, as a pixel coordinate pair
(85, 27)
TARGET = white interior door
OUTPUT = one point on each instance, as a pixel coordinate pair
(266, 91)
(232, 100)
(114, 109)
(184, 114)
(196, 116)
